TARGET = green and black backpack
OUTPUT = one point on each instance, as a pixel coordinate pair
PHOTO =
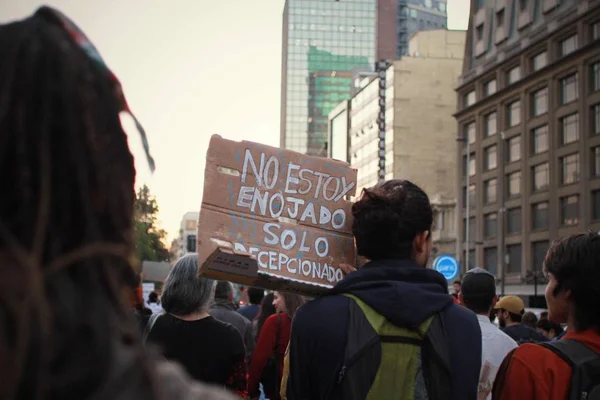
(384, 361)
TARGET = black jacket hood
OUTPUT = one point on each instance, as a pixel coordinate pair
(405, 293)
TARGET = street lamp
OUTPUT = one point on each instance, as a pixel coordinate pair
(467, 197)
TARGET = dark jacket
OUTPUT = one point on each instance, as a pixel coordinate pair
(406, 295)
(522, 333)
(224, 311)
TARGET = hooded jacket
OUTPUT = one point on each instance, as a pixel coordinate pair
(406, 295)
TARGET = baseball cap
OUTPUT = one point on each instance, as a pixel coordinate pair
(478, 282)
(511, 304)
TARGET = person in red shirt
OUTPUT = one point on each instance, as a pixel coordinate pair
(277, 325)
(534, 372)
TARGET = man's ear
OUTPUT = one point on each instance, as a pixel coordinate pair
(494, 302)
(420, 242)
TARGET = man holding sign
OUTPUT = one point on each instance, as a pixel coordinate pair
(391, 315)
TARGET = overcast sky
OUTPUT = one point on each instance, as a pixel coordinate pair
(190, 68)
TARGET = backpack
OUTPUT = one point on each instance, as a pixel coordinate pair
(585, 363)
(383, 361)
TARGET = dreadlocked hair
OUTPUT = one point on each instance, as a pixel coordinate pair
(66, 205)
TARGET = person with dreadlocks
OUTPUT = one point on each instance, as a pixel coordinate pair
(66, 240)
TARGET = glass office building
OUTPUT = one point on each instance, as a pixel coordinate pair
(323, 42)
(326, 42)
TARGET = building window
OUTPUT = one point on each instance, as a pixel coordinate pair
(513, 149)
(523, 5)
(514, 113)
(500, 18)
(491, 159)
(595, 76)
(539, 139)
(491, 125)
(569, 166)
(596, 161)
(596, 119)
(471, 259)
(469, 98)
(569, 89)
(539, 216)
(539, 61)
(514, 259)
(471, 227)
(513, 221)
(490, 225)
(471, 166)
(541, 177)
(538, 251)
(470, 132)
(570, 128)
(539, 102)
(479, 32)
(191, 243)
(596, 205)
(471, 196)
(490, 87)
(442, 7)
(489, 187)
(513, 75)
(514, 184)
(490, 259)
(569, 210)
(428, 3)
(568, 45)
(595, 30)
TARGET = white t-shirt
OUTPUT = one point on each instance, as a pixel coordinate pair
(495, 345)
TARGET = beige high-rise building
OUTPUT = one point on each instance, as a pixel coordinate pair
(529, 117)
(420, 128)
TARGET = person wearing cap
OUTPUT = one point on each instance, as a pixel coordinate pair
(478, 294)
(510, 310)
(534, 371)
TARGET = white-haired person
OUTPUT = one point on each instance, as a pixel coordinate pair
(211, 351)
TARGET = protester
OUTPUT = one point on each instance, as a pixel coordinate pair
(331, 353)
(66, 235)
(266, 366)
(510, 310)
(266, 310)
(538, 372)
(210, 350)
(543, 315)
(255, 297)
(549, 329)
(224, 310)
(478, 294)
(457, 285)
(530, 319)
(154, 303)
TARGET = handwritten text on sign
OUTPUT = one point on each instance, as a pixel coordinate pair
(264, 200)
(285, 209)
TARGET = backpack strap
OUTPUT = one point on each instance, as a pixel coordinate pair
(572, 351)
(577, 355)
(149, 326)
(437, 368)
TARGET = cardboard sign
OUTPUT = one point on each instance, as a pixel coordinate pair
(275, 218)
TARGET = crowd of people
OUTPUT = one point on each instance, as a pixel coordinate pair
(75, 325)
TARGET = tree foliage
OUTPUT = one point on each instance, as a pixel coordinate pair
(149, 238)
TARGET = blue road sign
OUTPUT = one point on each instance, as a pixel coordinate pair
(447, 266)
